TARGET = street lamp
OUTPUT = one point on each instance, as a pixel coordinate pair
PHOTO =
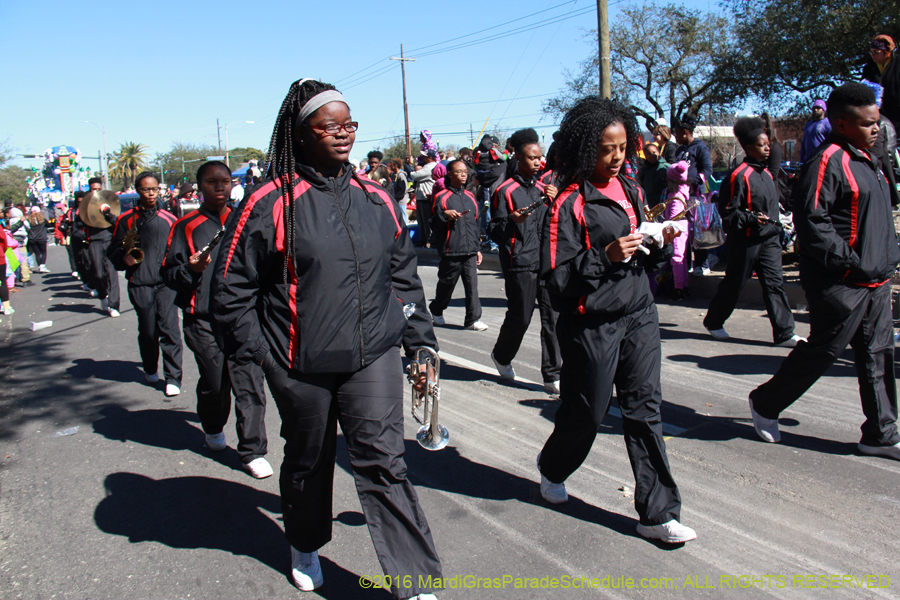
(226, 140)
(105, 173)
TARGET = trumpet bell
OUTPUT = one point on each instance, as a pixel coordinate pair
(137, 254)
(90, 212)
(429, 441)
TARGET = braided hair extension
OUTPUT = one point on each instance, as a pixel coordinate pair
(281, 159)
(580, 133)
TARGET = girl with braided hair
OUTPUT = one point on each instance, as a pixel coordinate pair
(316, 282)
(608, 327)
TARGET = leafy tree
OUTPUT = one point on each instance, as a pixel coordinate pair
(182, 161)
(12, 184)
(244, 154)
(662, 62)
(788, 50)
(130, 160)
(397, 149)
(6, 152)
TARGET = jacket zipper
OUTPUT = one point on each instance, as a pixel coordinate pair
(337, 206)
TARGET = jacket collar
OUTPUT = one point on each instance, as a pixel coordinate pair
(325, 183)
(524, 182)
(850, 148)
(592, 194)
(211, 215)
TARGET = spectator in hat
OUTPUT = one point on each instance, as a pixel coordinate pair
(815, 131)
(882, 68)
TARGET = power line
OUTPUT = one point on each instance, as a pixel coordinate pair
(489, 101)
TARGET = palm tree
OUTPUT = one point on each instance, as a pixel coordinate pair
(130, 160)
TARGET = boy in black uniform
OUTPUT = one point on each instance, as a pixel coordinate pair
(749, 204)
(184, 270)
(456, 235)
(848, 251)
(518, 236)
(103, 278)
(72, 226)
(153, 302)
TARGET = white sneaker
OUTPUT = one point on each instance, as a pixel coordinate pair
(104, 305)
(305, 570)
(259, 468)
(791, 342)
(216, 441)
(477, 326)
(672, 532)
(113, 313)
(438, 320)
(172, 389)
(43, 269)
(151, 377)
(554, 493)
(506, 371)
(885, 451)
(75, 275)
(719, 334)
(551, 387)
(94, 294)
(766, 429)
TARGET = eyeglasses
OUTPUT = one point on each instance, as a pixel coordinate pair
(148, 190)
(335, 128)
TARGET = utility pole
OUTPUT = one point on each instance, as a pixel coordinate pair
(219, 134)
(403, 60)
(471, 136)
(603, 36)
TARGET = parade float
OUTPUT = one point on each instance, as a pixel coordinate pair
(59, 178)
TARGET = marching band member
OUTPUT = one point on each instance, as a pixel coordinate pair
(848, 251)
(316, 281)
(518, 235)
(103, 278)
(153, 302)
(750, 208)
(608, 325)
(186, 270)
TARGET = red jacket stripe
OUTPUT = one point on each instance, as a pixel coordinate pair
(554, 221)
(854, 199)
(823, 166)
(256, 197)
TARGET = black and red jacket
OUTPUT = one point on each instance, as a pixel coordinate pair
(153, 239)
(577, 272)
(749, 188)
(343, 305)
(189, 235)
(842, 212)
(461, 237)
(520, 244)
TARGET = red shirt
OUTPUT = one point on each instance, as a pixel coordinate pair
(613, 190)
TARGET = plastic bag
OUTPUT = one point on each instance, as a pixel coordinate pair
(707, 226)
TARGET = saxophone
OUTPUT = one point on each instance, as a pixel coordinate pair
(130, 244)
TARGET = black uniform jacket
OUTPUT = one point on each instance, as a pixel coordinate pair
(189, 235)
(461, 237)
(842, 212)
(153, 237)
(578, 274)
(342, 307)
(749, 187)
(520, 244)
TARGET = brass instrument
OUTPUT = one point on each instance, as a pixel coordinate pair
(689, 206)
(91, 212)
(432, 435)
(130, 244)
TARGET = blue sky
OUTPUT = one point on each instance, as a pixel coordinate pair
(164, 72)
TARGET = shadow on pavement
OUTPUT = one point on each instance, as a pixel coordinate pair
(161, 428)
(122, 371)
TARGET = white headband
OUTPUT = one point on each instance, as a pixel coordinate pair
(317, 102)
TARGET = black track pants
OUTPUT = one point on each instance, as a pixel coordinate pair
(838, 316)
(449, 271)
(596, 355)
(81, 252)
(157, 329)
(70, 250)
(368, 405)
(104, 275)
(744, 258)
(218, 377)
(522, 289)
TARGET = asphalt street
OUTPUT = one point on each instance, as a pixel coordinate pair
(132, 505)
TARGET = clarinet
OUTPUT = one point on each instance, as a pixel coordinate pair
(533, 207)
(755, 215)
(205, 251)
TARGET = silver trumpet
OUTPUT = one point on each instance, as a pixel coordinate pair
(432, 435)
